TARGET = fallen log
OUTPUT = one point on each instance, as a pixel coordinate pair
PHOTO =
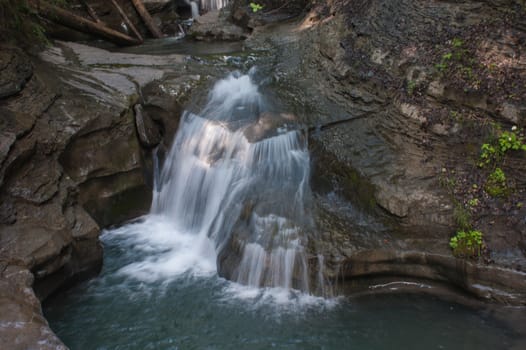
(70, 20)
(147, 19)
(127, 20)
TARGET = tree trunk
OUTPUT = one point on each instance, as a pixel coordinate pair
(127, 21)
(148, 21)
(68, 19)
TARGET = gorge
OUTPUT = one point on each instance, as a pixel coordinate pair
(330, 154)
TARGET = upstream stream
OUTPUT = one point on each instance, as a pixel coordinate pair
(233, 199)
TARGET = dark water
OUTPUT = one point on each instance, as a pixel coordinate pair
(195, 309)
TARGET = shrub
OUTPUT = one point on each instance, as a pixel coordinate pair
(496, 183)
(493, 152)
(467, 243)
(255, 7)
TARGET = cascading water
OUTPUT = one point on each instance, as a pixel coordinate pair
(233, 180)
(208, 5)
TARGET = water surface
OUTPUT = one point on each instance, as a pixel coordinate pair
(154, 297)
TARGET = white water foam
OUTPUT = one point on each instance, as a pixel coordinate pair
(166, 250)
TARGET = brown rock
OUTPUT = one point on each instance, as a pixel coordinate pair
(22, 325)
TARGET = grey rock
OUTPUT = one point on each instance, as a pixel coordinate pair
(19, 123)
(36, 181)
(7, 140)
(148, 132)
(91, 56)
(15, 71)
(215, 26)
(513, 113)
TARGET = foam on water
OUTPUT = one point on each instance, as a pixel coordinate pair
(163, 251)
(162, 254)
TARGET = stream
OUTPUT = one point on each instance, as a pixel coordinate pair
(233, 199)
(183, 304)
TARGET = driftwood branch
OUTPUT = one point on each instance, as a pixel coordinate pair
(147, 19)
(70, 20)
(127, 21)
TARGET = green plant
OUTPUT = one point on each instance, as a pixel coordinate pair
(441, 66)
(467, 243)
(511, 140)
(496, 183)
(488, 154)
(446, 181)
(455, 57)
(493, 152)
(457, 43)
(468, 72)
(462, 216)
(255, 7)
(411, 86)
(473, 202)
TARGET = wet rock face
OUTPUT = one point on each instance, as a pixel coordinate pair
(72, 160)
(386, 119)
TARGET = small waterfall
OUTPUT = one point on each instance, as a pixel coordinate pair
(195, 9)
(231, 178)
(209, 5)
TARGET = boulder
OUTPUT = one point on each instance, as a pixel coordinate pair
(214, 25)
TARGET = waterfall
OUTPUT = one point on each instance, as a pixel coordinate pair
(209, 5)
(238, 176)
(195, 9)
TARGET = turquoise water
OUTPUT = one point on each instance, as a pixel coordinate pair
(192, 308)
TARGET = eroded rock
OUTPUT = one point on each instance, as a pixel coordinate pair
(15, 69)
(22, 325)
(7, 140)
(66, 171)
(214, 25)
